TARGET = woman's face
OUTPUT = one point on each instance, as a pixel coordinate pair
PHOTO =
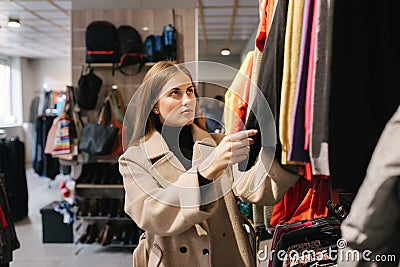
(177, 104)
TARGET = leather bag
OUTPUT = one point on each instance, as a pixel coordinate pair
(97, 138)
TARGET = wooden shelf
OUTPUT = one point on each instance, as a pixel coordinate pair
(99, 159)
(106, 160)
(110, 65)
(103, 218)
(99, 186)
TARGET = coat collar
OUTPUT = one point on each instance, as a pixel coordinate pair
(156, 146)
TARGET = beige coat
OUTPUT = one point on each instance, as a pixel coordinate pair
(165, 200)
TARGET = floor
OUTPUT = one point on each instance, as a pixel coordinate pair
(33, 252)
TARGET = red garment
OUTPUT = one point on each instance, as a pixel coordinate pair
(262, 27)
(3, 221)
(308, 173)
(306, 200)
(266, 16)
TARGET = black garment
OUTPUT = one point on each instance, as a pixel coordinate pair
(364, 85)
(44, 164)
(180, 142)
(8, 237)
(33, 112)
(269, 82)
(12, 164)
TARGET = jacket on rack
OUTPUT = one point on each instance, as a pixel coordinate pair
(8, 237)
(206, 235)
(44, 164)
(12, 165)
(373, 221)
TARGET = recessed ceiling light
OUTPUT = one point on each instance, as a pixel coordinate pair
(13, 23)
(225, 52)
(145, 28)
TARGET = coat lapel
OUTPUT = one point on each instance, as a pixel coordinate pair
(165, 164)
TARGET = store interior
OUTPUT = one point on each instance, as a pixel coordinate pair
(47, 54)
(66, 208)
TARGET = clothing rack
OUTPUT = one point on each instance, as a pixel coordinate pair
(8, 237)
(51, 101)
(12, 166)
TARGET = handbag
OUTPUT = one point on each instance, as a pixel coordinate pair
(97, 138)
(117, 113)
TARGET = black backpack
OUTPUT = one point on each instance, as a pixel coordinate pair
(130, 48)
(101, 42)
(89, 86)
(153, 48)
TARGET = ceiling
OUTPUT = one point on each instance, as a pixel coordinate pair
(226, 24)
(45, 31)
(45, 28)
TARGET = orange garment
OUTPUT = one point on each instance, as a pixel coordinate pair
(306, 200)
(270, 14)
(236, 98)
(243, 100)
(266, 15)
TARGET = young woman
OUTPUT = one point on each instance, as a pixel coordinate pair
(179, 183)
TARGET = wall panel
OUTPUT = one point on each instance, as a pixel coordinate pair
(155, 19)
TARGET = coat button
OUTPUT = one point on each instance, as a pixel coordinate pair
(183, 249)
(205, 252)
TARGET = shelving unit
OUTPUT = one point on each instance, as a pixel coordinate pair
(99, 186)
(154, 19)
(110, 65)
(103, 218)
(101, 206)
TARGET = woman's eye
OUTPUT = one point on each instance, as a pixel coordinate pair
(175, 92)
(190, 91)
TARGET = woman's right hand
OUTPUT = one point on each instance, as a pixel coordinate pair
(232, 149)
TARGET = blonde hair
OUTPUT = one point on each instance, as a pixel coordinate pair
(149, 94)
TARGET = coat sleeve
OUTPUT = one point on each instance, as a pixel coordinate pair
(265, 183)
(373, 221)
(163, 211)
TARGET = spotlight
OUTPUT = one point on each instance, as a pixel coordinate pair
(225, 52)
(13, 23)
